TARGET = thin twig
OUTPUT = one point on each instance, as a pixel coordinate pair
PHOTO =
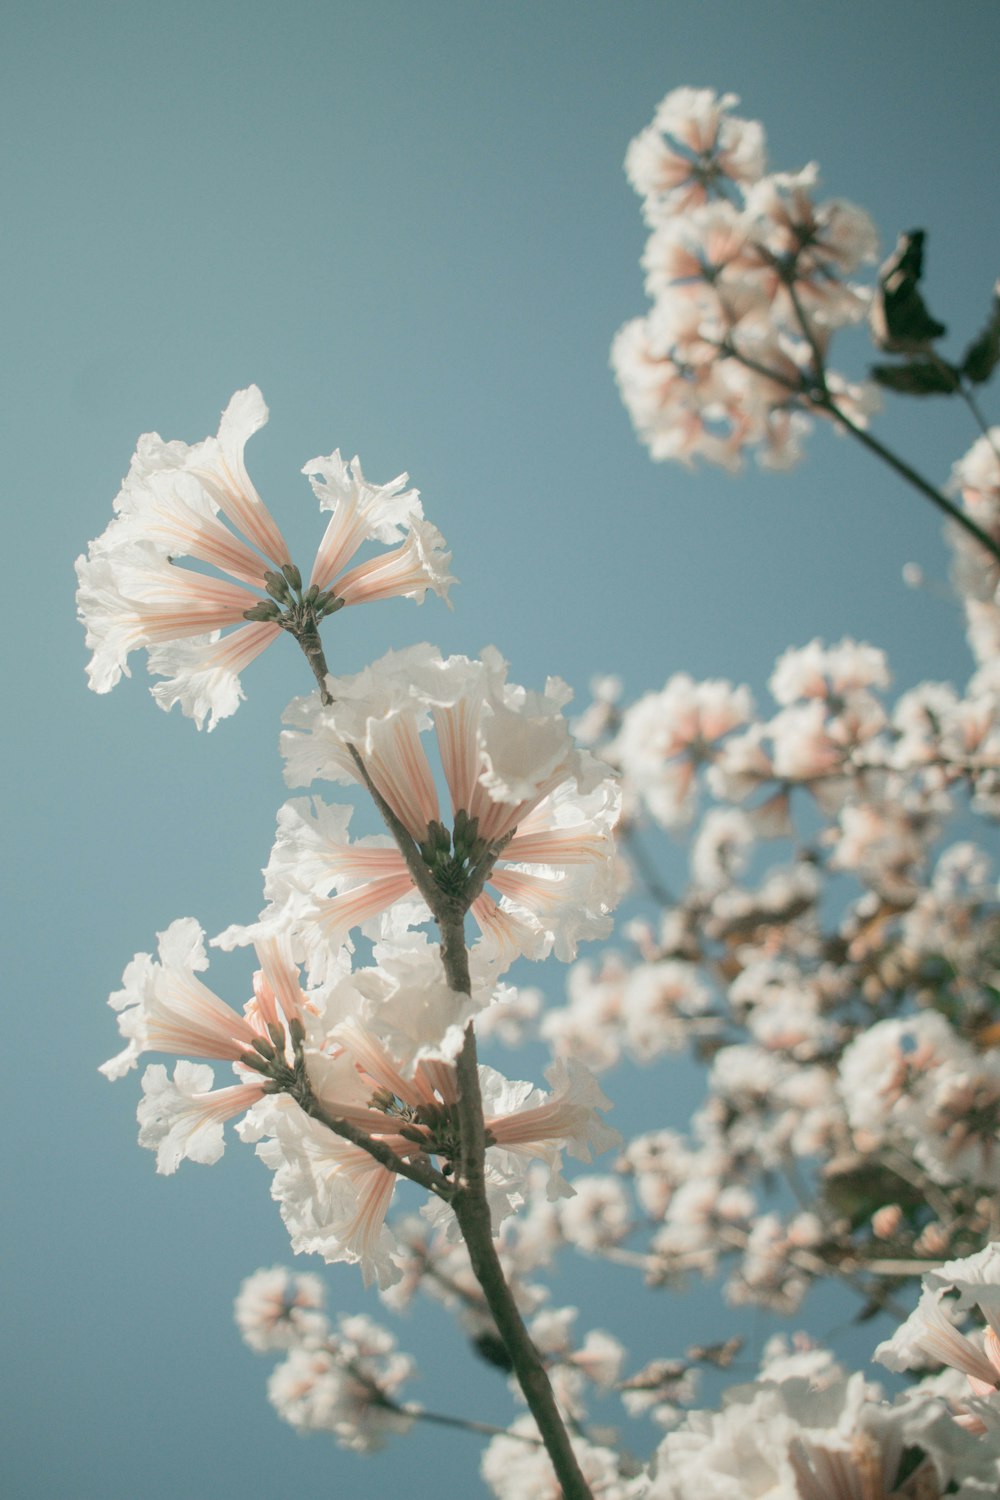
(820, 402)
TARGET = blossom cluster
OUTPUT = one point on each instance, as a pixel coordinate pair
(748, 274)
(522, 797)
(371, 1049)
(831, 961)
(834, 957)
(197, 501)
(343, 1380)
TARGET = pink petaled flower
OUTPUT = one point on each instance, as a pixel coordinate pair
(334, 1195)
(346, 1384)
(822, 240)
(520, 1120)
(173, 504)
(709, 246)
(518, 787)
(386, 1068)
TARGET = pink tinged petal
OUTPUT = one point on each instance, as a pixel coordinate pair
(124, 608)
(184, 1016)
(361, 512)
(336, 918)
(539, 893)
(952, 1348)
(368, 1054)
(361, 862)
(177, 1121)
(497, 818)
(509, 935)
(408, 571)
(556, 1120)
(569, 1115)
(559, 846)
(202, 674)
(226, 479)
(345, 532)
(397, 763)
(991, 1343)
(457, 743)
(171, 584)
(281, 977)
(174, 527)
(264, 1005)
(374, 1185)
(930, 1331)
(237, 650)
(159, 625)
(439, 1080)
(179, 1014)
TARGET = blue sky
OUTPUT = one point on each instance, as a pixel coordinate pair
(407, 223)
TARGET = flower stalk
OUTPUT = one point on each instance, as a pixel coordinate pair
(468, 1195)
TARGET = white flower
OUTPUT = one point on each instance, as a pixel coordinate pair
(515, 1470)
(346, 1387)
(183, 1118)
(666, 736)
(788, 1438)
(165, 1007)
(276, 1309)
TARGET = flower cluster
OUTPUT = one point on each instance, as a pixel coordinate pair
(832, 961)
(367, 1057)
(930, 1336)
(175, 502)
(843, 985)
(341, 1380)
(975, 480)
(531, 815)
(747, 273)
(806, 1429)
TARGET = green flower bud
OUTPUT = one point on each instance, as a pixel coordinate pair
(277, 587)
(265, 610)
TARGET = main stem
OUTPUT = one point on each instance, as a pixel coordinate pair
(468, 1195)
(472, 1210)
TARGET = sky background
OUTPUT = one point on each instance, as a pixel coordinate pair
(409, 224)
